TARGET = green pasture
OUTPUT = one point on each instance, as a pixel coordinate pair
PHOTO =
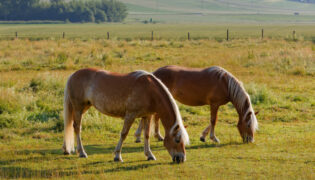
(278, 73)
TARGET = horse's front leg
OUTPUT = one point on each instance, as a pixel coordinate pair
(147, 150)
(157, 133)
(129, 119)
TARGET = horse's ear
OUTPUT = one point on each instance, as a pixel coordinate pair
(256, 112)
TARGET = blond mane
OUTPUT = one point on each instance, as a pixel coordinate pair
(237, 94)
(179, 120)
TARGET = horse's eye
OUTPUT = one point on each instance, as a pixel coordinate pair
(177, 138)
(248, 124)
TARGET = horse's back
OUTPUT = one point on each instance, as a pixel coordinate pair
(194, 86)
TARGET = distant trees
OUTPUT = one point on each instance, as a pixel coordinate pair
(60, 10)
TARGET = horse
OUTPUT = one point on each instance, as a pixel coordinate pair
(129, 96)
(212, 86)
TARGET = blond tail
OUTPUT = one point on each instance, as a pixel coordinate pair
(68, 144)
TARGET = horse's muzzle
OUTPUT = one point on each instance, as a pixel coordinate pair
(179, 158)
(248, 139)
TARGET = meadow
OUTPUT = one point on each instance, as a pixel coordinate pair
(140, 31)
(278, 73)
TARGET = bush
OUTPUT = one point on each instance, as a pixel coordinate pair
(260, 94)
(6, 122)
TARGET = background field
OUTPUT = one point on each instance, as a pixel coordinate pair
(235, 11)
(132, 31)
(277, 72)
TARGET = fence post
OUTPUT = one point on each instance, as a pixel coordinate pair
(16, 35)
(107, 35)
(152, 36)
(262, 33)
(227, 34)
(188, 36)
(293, 34)
(63, 35)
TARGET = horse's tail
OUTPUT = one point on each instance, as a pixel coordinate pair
(68, 145)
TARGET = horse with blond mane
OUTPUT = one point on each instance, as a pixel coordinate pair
(133, 95)
(212, 86)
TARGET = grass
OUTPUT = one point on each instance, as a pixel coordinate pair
(277, 73)
(173, 32)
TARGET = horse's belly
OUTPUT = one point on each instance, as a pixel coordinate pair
(110, 107)
(191, 99)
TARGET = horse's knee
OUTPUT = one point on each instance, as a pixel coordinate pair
(146, 136)
(123, 135)
(76, 127)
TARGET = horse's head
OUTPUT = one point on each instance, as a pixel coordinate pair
(247, 123)
(175, 142)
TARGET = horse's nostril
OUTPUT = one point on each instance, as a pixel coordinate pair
(178, 159)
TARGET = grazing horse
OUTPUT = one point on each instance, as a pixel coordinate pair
(212, 86)
(137, 94)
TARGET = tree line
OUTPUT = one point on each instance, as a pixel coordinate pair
(60, 10)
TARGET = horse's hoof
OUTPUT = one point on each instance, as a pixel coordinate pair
(116, 159)
(214, 139)
(151, 158)
(160, 139)
(138, 141)
(83, 155)
(66, 153)
(202, 139)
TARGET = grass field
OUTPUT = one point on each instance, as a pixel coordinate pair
(138, 31)
(278, 73)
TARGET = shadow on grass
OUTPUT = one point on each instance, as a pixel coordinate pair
(99, 149)
(21, 172)
(213, 145)
(58, 153)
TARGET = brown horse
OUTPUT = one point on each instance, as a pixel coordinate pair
(212, 86)
(137, 94)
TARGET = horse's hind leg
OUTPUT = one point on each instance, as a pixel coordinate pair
(129, 119)
(77, 130)
(213, 121)
(138, 131)
(157, 128)
(157, 133)
(147, 150)
(214, 118)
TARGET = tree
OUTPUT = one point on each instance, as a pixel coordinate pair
(74, 10)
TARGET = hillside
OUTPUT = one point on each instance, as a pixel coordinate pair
(220, 11)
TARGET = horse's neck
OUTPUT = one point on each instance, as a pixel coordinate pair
(240, 107)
